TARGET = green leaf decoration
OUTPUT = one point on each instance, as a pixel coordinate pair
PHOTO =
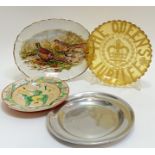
(59, 84)
(37, 92)
(28, 99)
(44, 98)
(9, 99)
(13, 88)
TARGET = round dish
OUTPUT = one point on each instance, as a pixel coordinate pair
(53, 47)
(119, 53)
(35, 95)
(91, 118)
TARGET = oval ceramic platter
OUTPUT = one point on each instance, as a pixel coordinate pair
(119, 53)
(54, 47)
(91, 118)
(35, 95)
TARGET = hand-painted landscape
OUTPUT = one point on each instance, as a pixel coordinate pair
(64, 50)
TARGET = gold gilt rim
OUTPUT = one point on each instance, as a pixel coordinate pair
(14, 46)
(89, 60)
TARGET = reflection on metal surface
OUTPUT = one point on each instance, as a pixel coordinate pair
(91, 118)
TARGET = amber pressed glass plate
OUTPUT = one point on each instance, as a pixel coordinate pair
(119, 53)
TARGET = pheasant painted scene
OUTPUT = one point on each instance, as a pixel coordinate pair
(60, 53)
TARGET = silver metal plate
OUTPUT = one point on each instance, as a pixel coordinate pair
(91, 118)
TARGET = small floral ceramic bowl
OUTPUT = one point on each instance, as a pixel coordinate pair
(35, 95)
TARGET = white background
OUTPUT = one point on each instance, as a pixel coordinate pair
(29, 130)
